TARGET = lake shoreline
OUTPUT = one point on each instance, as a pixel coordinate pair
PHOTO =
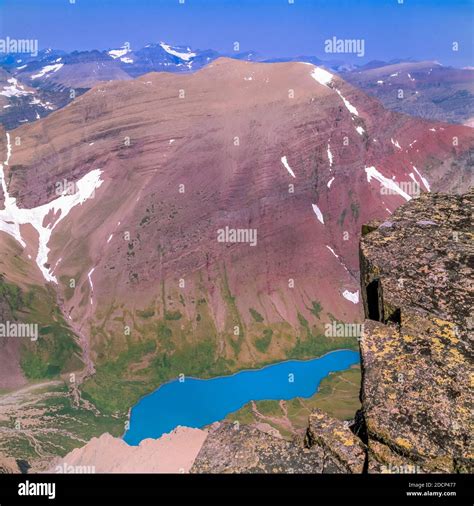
(315, 370)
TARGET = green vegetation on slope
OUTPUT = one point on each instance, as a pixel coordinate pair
(337, 395)
(119, 384)
(166, 342)
(56, 350)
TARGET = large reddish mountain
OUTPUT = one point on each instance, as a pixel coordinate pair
(163, 166)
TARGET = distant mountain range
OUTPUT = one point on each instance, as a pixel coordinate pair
(426, 89)
(33, 87)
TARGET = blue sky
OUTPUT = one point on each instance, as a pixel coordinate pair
(421, 29)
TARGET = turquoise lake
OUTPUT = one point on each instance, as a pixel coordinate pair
(199, 402)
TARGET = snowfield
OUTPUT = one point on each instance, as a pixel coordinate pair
(12, 217)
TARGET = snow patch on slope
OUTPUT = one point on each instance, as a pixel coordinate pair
(325, 78)
(47, 69)
(15, 90)
(332, 251)
(12, 216)
(351, 296)
(330, 157)
(425, 181)
(318, 213)
(118, 53)
(372, 172)
(89, 275)
(395, 143)
(322, 76)
(284, 161)
(183, 56)
(348, 105)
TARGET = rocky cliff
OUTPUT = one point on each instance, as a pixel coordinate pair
(416, 272)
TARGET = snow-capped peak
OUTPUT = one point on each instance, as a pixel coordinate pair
(183, 56)
(118, 53)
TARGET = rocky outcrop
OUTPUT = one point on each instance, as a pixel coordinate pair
(224, 447)
(338, 442)
(230, 448)
(416, 272)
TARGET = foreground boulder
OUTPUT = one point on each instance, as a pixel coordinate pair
(231, 448)
(337, 441)
(416, 272)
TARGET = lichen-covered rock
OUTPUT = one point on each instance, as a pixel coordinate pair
(230, 448)
(241, 449)
(329, 447)
(335, 438)
(417, 288)
(385, 461)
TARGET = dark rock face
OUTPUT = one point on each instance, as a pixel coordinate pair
(416, 273)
